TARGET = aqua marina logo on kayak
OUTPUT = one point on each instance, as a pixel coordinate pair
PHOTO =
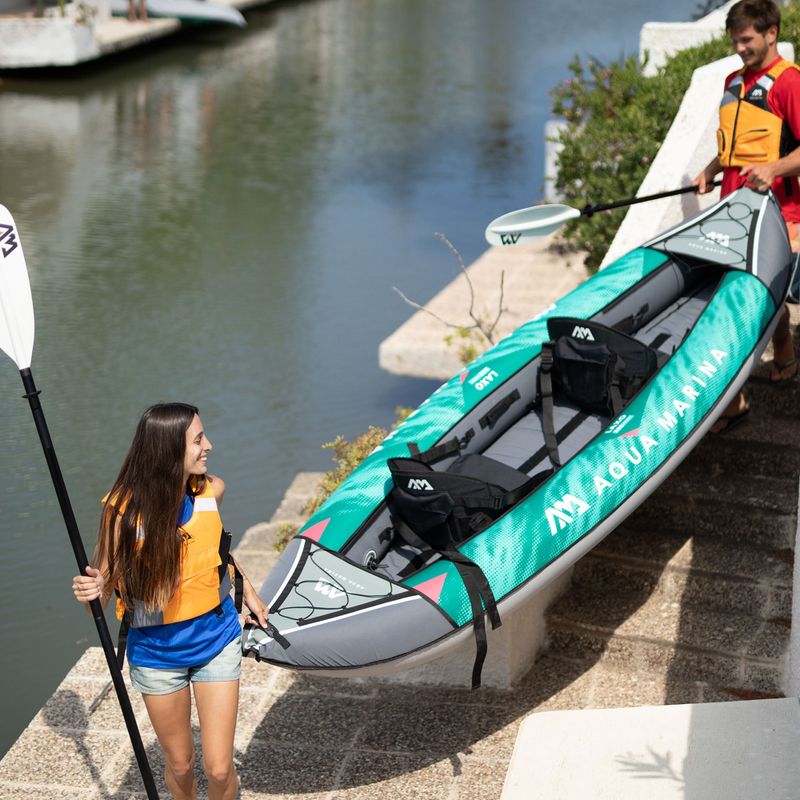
(581, 332)
(570, 506)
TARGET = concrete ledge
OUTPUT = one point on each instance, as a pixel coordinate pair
(729, 751)
(63, 42)
(45, 43)
(535, 275)
(55, 41)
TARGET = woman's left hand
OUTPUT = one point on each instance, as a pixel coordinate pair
(258, 608)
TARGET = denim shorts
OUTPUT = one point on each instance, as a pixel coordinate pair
(225, 666)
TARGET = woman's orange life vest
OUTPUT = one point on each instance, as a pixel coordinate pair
(203, 585)
(749, 132)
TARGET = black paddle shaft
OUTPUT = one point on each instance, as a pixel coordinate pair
(32, 396)
(588, 210)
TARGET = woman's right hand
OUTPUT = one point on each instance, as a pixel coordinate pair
(89, 587)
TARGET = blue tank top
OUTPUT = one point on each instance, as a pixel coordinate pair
(191, 642)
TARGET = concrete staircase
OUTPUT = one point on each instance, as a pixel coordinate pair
(694, 591)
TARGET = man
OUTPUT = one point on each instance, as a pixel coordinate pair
(758, 143)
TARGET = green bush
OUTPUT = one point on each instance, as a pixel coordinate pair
(347, 455)
(617, 119)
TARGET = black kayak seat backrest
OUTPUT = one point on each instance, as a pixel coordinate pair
(434, 504)
(592, 362)
(435, 511)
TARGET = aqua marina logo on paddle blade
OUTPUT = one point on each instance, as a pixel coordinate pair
(8, 240)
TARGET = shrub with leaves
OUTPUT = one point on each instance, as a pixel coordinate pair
(347, 455)
(617, 119)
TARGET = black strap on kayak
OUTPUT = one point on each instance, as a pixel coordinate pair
(426, 552)
(439, 451)
(277, 636)
(659, 340)
(548, 409)
(632, 321)
(489, 419)
(480, 597)
(615, 396)
(479, 593)
(562, 436)
(226, 560)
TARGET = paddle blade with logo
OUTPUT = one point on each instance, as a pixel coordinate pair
(16, 339)
(16, 304)
(529, 223)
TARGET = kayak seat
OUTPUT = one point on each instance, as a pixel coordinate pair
(435, 511)
(593, 367)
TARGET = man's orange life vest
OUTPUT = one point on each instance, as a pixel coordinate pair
(203, 583)
(749, 132)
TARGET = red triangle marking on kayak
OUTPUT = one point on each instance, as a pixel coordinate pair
(432, 588)
(463, 375)
(629, 433)
(315, 531)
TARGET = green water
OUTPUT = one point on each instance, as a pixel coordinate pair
(220, 219)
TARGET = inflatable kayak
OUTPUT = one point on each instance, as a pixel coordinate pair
(519, 465)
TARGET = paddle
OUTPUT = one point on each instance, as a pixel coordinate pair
(16, 340)
(529, 223)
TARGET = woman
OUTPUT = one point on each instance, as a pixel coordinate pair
(158, 549)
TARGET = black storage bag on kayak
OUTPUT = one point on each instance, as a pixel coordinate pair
(435, 511)
(595, 367)
(584, 374)
(449, 507)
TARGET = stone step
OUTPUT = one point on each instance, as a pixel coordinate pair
(729, 674)
(734, 520)
(773, 493)
(739, 587)
(724, 648)
(745, 457)
(783, 400)
(773, 418)
(632, 613)
(606, 683)
(717, 554)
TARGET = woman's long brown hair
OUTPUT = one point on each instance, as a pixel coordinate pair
(147, 495)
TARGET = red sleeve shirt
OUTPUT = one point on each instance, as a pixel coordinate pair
(784, 101)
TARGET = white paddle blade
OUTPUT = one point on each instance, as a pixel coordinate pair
(16, 304)
(529, 223)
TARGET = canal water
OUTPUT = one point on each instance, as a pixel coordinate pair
(221, 219)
